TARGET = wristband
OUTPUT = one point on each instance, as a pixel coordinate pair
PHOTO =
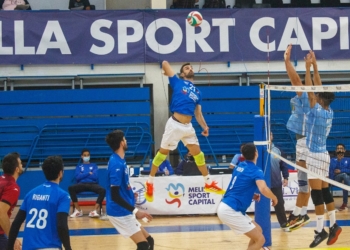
(135, 211)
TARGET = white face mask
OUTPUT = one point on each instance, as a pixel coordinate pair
(86, 158)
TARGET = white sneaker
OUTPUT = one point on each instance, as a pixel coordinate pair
(94, 214)
(76, 213)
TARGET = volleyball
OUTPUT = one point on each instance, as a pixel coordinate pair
(194, 18)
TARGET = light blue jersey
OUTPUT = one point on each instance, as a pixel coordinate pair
(41, 206)
(240, 191)
(118, 175)
(300, 107)
(319, 124)
(185, 96)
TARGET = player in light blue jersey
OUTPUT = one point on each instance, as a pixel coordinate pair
(120, 206)
(296, 123)
(185, 103)
(45, 212)
(246, 178)
(319, 123)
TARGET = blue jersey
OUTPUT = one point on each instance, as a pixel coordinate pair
(82, 173)
(319, 124)
(300, 107)
(41, 205)
(240, 191)
(118, 175)
(185, 96)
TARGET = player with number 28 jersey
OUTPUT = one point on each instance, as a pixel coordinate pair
(41, 204)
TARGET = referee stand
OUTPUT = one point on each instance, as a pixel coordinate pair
(262, 208)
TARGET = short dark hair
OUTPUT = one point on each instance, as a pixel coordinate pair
(182, 67)
(10, 163)
(52, 166)
(84, 150)
(248, 151)
(327, 97)
(340, 144)
(114, 139)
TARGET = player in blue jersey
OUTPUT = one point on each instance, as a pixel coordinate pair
(319, 123)
(296, 123)
(120, 206)
(185, 103)
(246, 178)
(45, 210)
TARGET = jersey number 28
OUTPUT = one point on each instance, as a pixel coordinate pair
(41, 222)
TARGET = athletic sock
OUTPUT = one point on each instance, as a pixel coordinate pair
(331, 215)
(207, 179)
(297, 211)
(303, 210)
(150, 179)
(319, 223)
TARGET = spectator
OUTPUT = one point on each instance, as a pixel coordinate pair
(86, 175)
(15, 5)
(184, 4)
(237, 158)
(339, 170)
(164, 167)
(79, 4)
(278, 167)
(12, 167)
(187, 166)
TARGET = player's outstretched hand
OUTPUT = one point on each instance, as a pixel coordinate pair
(287, 53)
(313, 57)
(136, 195)
(274, 201)
(206, 132)
(308, 60)
(142, 215)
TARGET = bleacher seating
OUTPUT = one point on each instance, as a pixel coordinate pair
(40, 123)
(68, 141)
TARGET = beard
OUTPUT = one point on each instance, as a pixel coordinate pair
(189, 75)
(60, 179)
(125, 147)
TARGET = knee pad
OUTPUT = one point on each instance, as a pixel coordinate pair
(158, 159)
(150, 242)
(143, 245)
(317, 197)
(327, 196)
(199, 159)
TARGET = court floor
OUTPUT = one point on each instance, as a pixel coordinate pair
(196, 232)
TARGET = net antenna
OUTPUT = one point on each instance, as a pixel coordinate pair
(278, 102)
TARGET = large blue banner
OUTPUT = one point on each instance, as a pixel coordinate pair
(148, 36)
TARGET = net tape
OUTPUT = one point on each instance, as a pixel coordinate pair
(322, 88)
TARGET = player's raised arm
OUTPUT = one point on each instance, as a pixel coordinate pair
(292, 74)
(308, 82)
(168, 71)
(317, 78)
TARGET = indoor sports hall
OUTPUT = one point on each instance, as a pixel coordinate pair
(70, 77)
